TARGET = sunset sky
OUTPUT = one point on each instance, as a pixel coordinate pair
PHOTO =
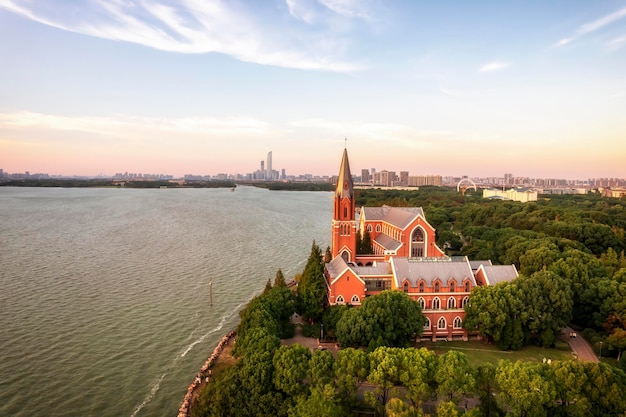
(478, 88)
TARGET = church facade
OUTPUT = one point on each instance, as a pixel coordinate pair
(405, 257)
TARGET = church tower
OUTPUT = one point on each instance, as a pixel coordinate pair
(344, 223)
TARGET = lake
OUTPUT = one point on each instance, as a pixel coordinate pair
(104, 293)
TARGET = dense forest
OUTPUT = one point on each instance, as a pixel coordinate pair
(570, 254)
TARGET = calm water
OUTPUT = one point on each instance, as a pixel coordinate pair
(104, 293)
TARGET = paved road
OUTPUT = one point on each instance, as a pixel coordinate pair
(580, 346)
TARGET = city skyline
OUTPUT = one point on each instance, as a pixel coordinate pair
(475, 89)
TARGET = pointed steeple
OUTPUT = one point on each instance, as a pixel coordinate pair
(345, 187)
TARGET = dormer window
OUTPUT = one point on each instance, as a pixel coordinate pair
(436, 286)
(421, 287)
(406, 286)
(451, 286)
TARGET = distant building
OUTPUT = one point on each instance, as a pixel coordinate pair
(405, 258)
(270, 173)
(516, 194)
(365, 176)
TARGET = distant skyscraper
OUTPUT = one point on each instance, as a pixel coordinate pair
(262, 169)
(365, 176)
(270, 174)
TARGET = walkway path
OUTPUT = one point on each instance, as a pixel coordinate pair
(579, 346)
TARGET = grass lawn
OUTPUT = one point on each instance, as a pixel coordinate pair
(480, 352)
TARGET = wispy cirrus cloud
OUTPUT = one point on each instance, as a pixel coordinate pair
(128, 125)
(593, 26)
(494, 66)
(616, 43)
(197, 26)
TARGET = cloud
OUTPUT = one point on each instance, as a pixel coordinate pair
(303, 10)
(593, 26)
(494, 66)
(616, 43)
(127, 125)
(198, 26)
(351, 8)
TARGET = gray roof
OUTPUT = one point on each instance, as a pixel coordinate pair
(399, 217)
(499, 273)
(336, 267)
(379, 268)
(387, 242)
(476, 264)
(444, 268)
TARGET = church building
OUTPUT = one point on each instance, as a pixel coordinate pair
(405, 257)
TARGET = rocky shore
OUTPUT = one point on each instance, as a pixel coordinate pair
(204, 374)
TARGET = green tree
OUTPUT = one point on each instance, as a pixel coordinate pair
(523, 389)
(447, 409)
(323, 401)
(385, 375)
(312, 286)
(321, 368)
(417, 373)
(391, 318)
(617, 340)
(351, 370)
(454, 376)
(398, 408)
(485, 388)
(279, 281)
(291, 367)
(568, 379)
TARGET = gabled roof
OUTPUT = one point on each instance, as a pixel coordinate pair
(476, 264)
(495, 274)
(345, 187)
(387, 242)
(337, 267)
(428, 269)
(399, 217)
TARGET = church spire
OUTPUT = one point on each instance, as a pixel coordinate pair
(345, 187)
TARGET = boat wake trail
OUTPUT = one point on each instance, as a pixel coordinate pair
(213, 330)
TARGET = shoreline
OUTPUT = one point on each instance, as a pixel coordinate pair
(204, 374)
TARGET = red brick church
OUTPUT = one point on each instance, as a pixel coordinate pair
(406, 258)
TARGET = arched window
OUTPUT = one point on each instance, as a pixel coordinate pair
(421, 287)
(451, 302)
(441, 324)
(464, 302)
(340, 299)
(345, 212)
(369, 228)
(457, 323)
(437, 286)
(378, 228)
(467, 286)
(417, 243)
(436, 303)
(418, 235)
(405, 286)
(355, 299)
(452, 287)
(345, 255)
(427, 324)
(422, 303)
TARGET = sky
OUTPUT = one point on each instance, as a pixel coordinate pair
(534, 88)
